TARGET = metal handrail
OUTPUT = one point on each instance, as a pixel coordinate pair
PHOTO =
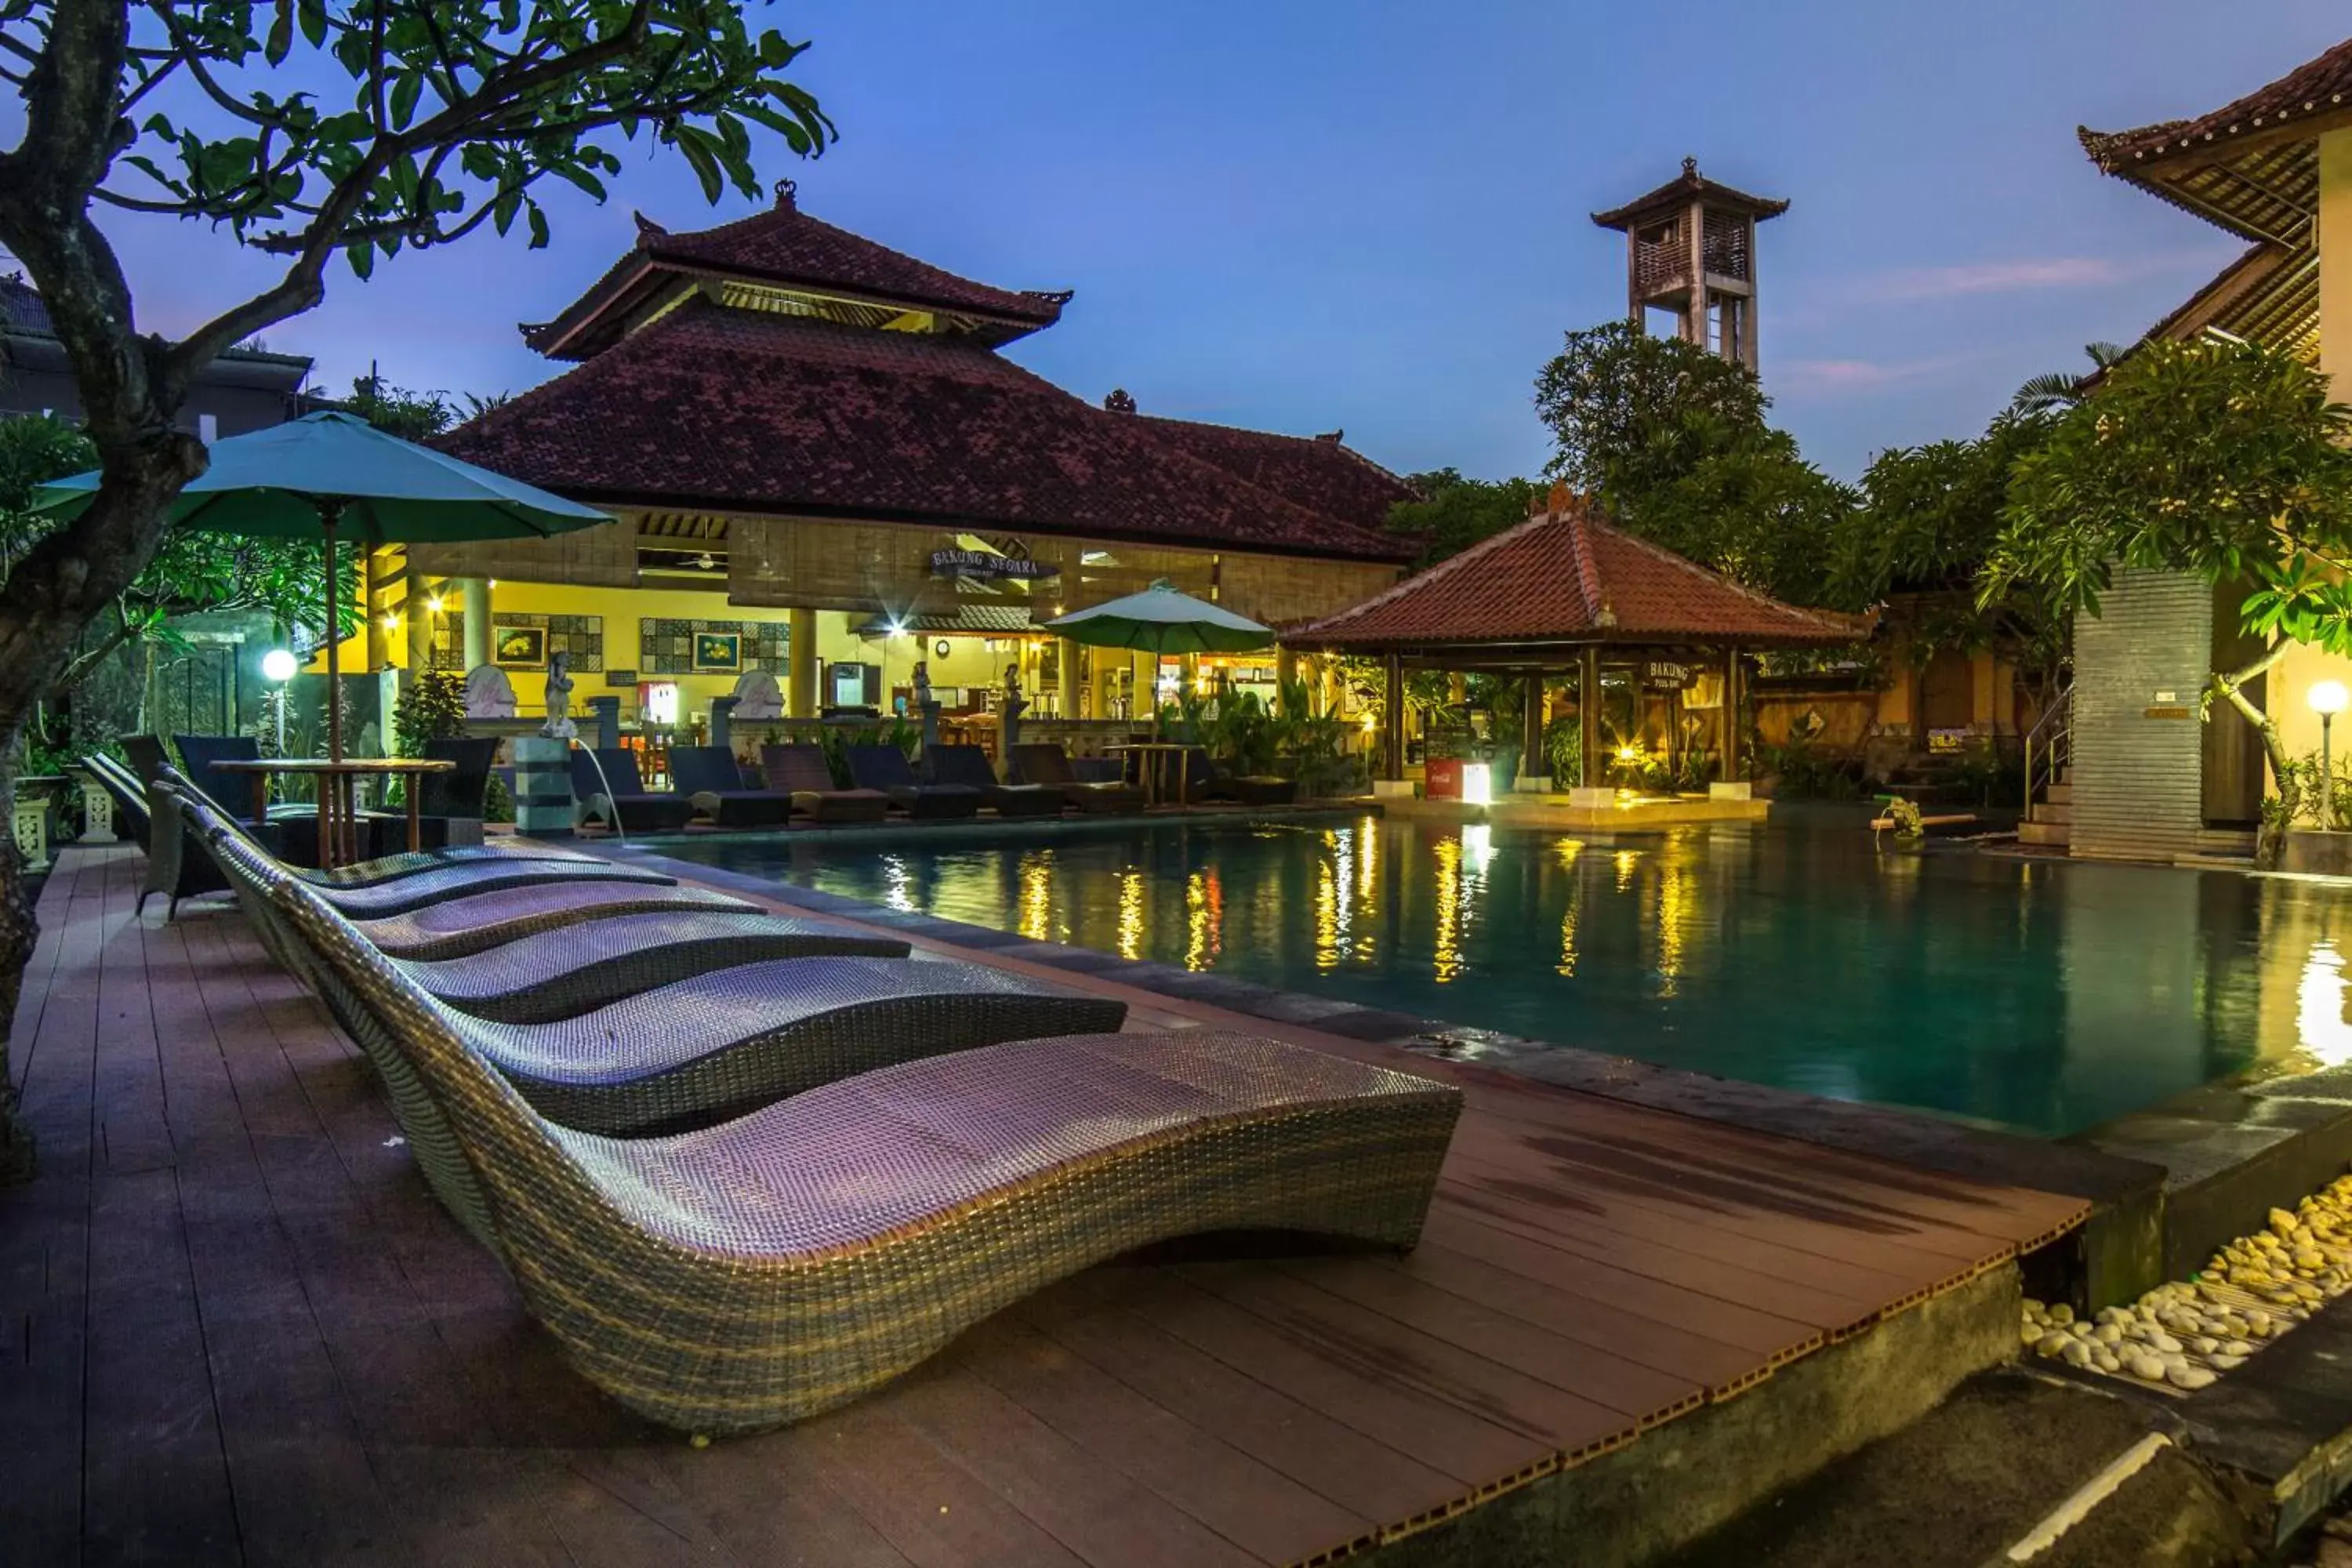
(2057, 747)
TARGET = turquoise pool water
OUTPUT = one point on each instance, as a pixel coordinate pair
(2044, 997)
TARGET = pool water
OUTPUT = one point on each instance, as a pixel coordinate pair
(2044, 997)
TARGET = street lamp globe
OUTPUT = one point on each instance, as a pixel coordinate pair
(280, 665)
(2328, 698)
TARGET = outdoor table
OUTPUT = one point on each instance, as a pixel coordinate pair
(337, 844)
(1151, 757)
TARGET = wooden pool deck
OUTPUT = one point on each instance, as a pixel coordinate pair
(235, 1327)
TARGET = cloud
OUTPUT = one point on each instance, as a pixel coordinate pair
(2021, 275)
(1839, 377)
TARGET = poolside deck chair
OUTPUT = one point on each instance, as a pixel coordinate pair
(1205, 781)
(769, 1269)
(476, 922)
(968, 765)
(563, 974)
(1044, 763)
(712, 783)
(617, 795)
(451, 807)
(801, 772)
(886, 768)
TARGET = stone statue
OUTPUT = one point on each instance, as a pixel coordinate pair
(757, 696)
(559, 725)
(488, 693)
(1012, 698)
(922, 683)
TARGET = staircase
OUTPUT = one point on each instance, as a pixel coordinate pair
(2050, 778)
(2049, 822)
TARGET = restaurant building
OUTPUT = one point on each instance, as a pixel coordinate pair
(821, 464)
(2274, 169)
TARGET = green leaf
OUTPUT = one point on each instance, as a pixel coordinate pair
(313, 15)
(281, 35)
(404, 91)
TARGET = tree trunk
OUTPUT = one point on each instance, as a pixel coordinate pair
(19, 932)
(2270, 844)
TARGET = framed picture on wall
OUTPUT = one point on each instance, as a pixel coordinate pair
(519, 647)
(719, 650)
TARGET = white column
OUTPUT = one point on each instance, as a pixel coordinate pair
(475, 601)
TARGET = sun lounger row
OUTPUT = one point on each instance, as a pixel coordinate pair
(708, 786)
(891, 1179)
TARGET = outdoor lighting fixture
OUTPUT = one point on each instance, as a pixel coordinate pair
(898, 628)
(390, 622)
(433, 604)
(279, 665)
(1478, 783)
(1629, 753)
(1371, 721)
(2328, 698)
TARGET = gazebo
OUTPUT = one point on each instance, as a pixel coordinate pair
(1567, 591)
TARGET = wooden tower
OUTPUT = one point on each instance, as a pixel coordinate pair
(1690, 248)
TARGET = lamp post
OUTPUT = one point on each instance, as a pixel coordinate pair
(278, 666)
(2328, 698)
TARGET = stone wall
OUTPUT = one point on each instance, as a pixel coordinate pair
(2139, 747)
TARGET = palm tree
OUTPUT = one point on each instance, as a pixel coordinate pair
(2059, 390)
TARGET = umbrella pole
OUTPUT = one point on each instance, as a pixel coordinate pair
(329, 513)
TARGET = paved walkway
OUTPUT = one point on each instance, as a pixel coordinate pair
(235, 1327)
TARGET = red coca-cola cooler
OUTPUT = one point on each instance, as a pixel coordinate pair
(1443, 780)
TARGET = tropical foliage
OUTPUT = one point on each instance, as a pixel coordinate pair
(2218, 458)
(422, 121)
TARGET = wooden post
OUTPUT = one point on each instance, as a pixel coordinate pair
(800, 664)
(1066, 681)
(1531, 728)
(1694, 313)
(1588, 713)
(1635, 308)
(378, 635)
(1733, 700)
(1747, 307)
(1392, 720)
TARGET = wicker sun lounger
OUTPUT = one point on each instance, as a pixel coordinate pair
(801, 773)
(968, 765)
(563, 974)
(457, 927)
(605, 786)
(886, 768)
(712, 783)
(1044, 763)
(774, 1266)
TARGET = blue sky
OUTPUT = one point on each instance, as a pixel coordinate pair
(1306, 214)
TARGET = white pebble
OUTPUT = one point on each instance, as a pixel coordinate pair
(2225, 1363)
(2190, 1377)
(2146, 1367)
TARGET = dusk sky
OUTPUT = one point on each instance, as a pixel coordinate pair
(1304, 217)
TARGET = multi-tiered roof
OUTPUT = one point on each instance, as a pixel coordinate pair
(780, 364)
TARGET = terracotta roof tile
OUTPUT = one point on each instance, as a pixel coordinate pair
(1315, 471)
(1568, 577)
(713, 409)
(2312, 88)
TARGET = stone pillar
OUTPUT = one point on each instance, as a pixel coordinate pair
(1065, 682)
(476, 599)
(800, 683)
(1733, 784)
(2336, 258)
(1392, 728)
(604, 718)
(543, 792)
(722, 721)
(1747, 308)
(929, 714)
(97, 811)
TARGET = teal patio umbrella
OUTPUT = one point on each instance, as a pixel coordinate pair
(329, 473)
(1162, 620)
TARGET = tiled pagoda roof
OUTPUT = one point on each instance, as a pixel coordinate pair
(1566, 577)
(1678, 193)
(716, 409)
(1318, 472)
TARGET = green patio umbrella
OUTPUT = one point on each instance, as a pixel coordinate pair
(1162, 620)
(329, 473)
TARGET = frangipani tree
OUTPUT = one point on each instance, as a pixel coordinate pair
(2215, 456)
(309, 131)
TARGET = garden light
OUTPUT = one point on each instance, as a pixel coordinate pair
(279, 665)
(2327, 698)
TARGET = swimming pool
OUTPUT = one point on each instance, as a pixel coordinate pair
(2039, 996)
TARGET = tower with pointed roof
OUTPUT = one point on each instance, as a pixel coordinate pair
(1690, 250)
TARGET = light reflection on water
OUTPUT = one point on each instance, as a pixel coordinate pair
(2045, 998)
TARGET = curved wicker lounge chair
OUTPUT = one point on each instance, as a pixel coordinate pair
(475, 921)
(605, 786)
(563, 974)
(764, 1270)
